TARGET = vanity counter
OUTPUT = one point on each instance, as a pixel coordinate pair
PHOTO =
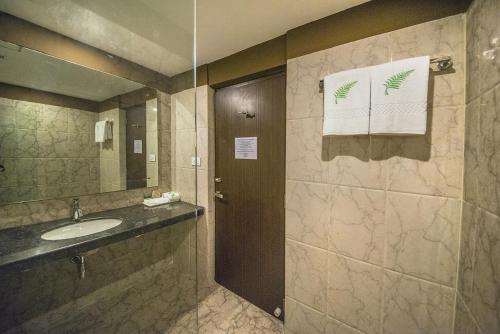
(23, 246)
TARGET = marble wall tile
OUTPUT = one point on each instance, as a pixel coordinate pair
(303, 319)
(430, 164)
(306, 150)
(53, 118)
(471, 153)
(53, 144)
(357, 223)
(26, 170)
(53, 171)
(355, 293)
(414, 306)
(183, 109)
(7, 113)
(8, 142)
(471, 219)
(485, 298)
(489, 153)
(357, 161)
(337, 327)
(306, 274)
(434, 39)
(307, 212)
(79, 120)
(464, 322)
(303, 99)
(473, 51)
(203, 136)
(27, 145)
(488, 27)
(9, 177)
(422, 236)
(26, 115)
(369, 51)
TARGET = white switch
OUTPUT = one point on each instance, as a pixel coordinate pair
(195, 161)
(152, 157)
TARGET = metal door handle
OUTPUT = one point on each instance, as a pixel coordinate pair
(219, 195)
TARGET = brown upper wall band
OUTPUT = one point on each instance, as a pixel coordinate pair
(37, 96)
(24, 33)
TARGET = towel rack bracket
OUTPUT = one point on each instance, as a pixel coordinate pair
(443, 63)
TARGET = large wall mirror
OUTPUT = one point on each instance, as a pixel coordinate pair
(68, 130)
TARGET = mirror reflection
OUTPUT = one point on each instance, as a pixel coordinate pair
(67, 130)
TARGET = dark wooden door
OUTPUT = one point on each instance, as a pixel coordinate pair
(250, 223)
(136, 162)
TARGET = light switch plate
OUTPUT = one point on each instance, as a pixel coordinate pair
(195, 161)
(152, 157)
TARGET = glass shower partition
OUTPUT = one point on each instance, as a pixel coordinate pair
(132, 63)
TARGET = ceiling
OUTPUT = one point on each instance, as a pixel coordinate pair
(27, 68)
(158, 33)
(229, 26)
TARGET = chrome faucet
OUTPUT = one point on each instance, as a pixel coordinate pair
(76, 212)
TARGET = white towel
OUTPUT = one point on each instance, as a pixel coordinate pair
(399, 97)
(103, 131)
(109, 131)
(100, 131)
(347, 102)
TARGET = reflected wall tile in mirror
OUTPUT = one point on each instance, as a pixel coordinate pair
(80, 120)
(8, 142)
(7, 113)
(27, 114)
(9, 177)
(52, 144)
(51, 171)
(27, 145)
(53, 118)
(26, 170)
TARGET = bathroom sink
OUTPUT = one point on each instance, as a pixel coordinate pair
(82, 229)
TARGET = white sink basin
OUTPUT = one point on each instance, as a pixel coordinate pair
(81, 229)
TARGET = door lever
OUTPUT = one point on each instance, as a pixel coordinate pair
(219, 195)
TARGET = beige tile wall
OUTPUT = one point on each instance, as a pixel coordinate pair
(185, 134)
(478, 301)
(48, 151)
(152, 142)
(373, 222)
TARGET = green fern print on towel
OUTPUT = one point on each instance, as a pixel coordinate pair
(343, 91)
(396, 80)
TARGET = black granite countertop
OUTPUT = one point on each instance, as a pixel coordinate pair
(23, 246)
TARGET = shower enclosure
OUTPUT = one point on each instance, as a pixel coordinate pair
(64, 66)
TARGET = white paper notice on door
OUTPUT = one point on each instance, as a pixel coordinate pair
(245, 148)
(138, 146)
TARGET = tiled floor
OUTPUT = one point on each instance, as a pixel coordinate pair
(223, 312)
